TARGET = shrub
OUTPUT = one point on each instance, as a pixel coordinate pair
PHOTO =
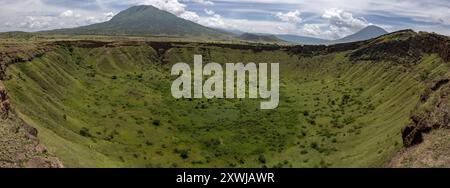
(156, 122)
(313, 145)
(262, 159)
(424, 75)
(85, 132)
(305, 113)
(184, 154)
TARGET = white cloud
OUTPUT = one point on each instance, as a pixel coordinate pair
(311, 30)
(203, 2)
(97, 19)
(174, 7)
(320, 31)
(179, 9)
(339, 22)
(7, 24)
(340, 18)
(293, 16)
(260, 26)
(334, 23)
(66, 19)
(108, 15)
(209, 12)
(215, 21)
(188, 15)
(34, 22)
(67, 13)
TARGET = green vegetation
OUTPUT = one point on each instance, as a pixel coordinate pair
(111, 106)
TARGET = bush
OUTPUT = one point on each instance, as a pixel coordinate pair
(314, 145)
(156, 122)
(184, 153)
(424, 75)
(305, 113)
(85, 132)
(262, 159)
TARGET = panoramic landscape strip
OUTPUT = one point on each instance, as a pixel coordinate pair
(224, 84)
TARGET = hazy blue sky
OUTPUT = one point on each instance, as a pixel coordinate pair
(320, 18)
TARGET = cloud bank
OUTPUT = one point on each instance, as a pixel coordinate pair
(319, 18)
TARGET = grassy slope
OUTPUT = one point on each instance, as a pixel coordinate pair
(110, 107)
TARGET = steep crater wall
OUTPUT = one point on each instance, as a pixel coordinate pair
(19, 144)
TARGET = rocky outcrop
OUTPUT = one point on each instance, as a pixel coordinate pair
(313, 50)
(433, 112)
(20, 147)
(404, 47)
(83, 43)
(433, 152)
(17, 54)
(4, 102)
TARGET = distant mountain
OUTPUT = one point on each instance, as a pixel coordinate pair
(260, 38)
(302, 39)
(367, 33)
(144, 21)
(232, 31)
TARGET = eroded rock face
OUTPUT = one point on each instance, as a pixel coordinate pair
(20, 148)
(30, 130)
(411, 135)
(437, 115)
(4, 102)
(312, 50)
(19, 145)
